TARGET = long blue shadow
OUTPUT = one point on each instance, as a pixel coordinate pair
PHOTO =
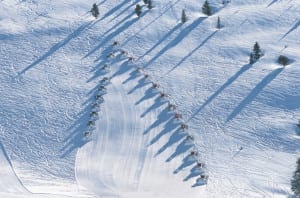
(184, 33)
(164, 116)
(257, 89)
(183, 147)
(192, 52)
(151, 22)
(157, 103)
(57, 46)
(292, 29)
(186, 162)
(113, 34)
(114, 9)
(174, 138)
(224, 86)
(161, 40)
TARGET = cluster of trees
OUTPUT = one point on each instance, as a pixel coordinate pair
(138, 7)
(295, 182)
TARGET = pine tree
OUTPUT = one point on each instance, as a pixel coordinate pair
(146, 1)
(257, 51)
(95, 10)
(219, 23)
(138, 10)
(183, 16)
(206, 8)
(295, 182)
(150, 6)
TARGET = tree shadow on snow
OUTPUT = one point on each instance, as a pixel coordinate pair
(149, 93)
(192, 52)
(168, 128)
(224, 86)
(186, 162)
(194, 172)
(157, 103)
(183, 147)
(174, 138)
(117, 31)
(141, 83)
(257, 89)
(292, 29)
(164, 116)
(184, 33)
(57, 46)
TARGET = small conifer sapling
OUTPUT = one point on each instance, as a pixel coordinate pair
(183, 16)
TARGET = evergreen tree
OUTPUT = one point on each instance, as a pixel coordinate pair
(183, 16)
(219, 23)
(95, 10)
(146, 1)
(295, 182)
(206, 8)
(257, 51)
(255, 54)
(138, 10)
(150, 6)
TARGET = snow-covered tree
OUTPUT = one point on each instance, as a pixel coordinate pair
(183, 16)
(146, 1)
(295, 182)
(206, 8)
(95, 10)
(138, 10)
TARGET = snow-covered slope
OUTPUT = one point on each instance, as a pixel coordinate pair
(241, 116)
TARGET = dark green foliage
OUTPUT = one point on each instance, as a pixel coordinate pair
(138, 10)
(255, 54)
(206, 8)
(95, 10)
(146, 1)
(150, 6)
(295, 182)
(183, 16)
(257, 51)
(283, 60)
(219, 23)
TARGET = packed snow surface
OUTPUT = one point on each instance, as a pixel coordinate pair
(241, 119)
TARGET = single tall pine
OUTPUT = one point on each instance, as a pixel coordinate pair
(206, 8)
(95, 10)
(257, 51)
(183, 16)
(295, 182)
(219, 23)
(138, 10)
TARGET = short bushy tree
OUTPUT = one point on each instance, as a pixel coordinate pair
(95, 10)
(183, 16)
(206, 8)
(283, 60)
(295, 182)
(138, 10)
